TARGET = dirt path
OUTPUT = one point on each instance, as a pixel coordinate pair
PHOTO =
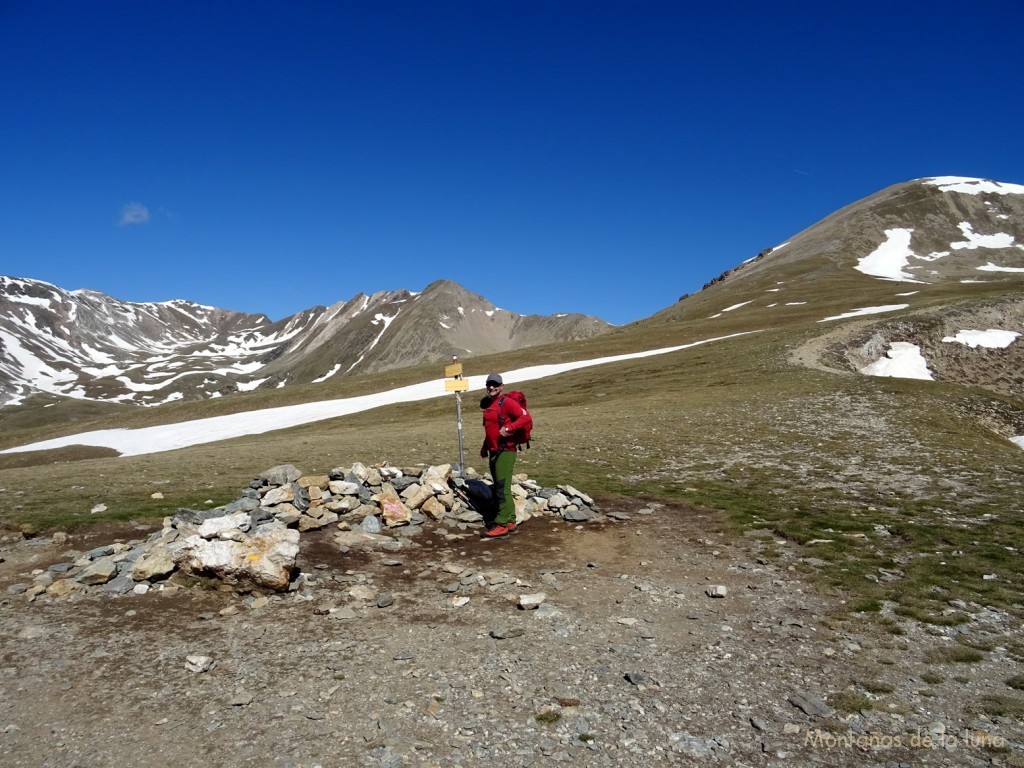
(628, 662)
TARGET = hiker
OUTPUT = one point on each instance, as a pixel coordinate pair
(502, 417)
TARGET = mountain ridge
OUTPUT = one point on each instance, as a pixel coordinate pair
(956, 243)
(87, 345)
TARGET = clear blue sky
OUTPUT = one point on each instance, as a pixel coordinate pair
(588, 156)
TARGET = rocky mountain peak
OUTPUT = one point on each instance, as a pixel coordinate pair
(88, 345)
(928, 230)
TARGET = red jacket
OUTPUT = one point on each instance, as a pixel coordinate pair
(513, 416)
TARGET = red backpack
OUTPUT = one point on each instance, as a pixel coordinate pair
(522, 435)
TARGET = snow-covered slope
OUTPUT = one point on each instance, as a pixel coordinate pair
(84, 344)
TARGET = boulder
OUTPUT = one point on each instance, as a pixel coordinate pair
(393, 510)
(434, 508)
(343, 488)
(417, 494)
(158, 563)
(280, 475)
(279, 495)
(100, 572)
(557, 501)
(313, 481)
(287, 514)
(63, 588)
(215, 526)
(266, 559)
(307, 523)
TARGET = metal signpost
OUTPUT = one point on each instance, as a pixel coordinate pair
(455, 383)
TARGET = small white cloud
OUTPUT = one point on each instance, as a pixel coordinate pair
(133, 213)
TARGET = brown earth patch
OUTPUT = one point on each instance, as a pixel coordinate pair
(629, 662)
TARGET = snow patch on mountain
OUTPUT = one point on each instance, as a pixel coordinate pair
(903, 361)
(865, 311)
(135, 442)
(969, 186)
(993, 338)
(890, 258)
(990, 267)
(974, 240)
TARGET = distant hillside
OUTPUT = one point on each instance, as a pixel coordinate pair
(921, 263)
(86, 345)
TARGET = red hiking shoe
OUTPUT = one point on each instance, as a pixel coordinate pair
(496, 531)
(512, 527)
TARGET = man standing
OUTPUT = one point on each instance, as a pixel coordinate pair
(502, 416)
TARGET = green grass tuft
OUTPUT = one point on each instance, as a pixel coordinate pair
(851, 702)
(1016, 682)
(956, 654)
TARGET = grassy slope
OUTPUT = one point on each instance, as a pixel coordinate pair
(872, 477)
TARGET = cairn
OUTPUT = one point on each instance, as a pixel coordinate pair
(252, 543)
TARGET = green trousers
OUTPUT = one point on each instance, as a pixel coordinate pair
(503, 465)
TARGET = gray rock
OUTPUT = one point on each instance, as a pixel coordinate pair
(558, 501)
(532, 601)
(506, 634)
(569, 490)
(811, 705)
(575, 514)
(280, 475)
(344, 487)
(692, 746)
(186, 517)
(120, 585)
(403, 482)
(198, 663)
(158, 563)
(638, 678)
(100, 572)
(244, 504)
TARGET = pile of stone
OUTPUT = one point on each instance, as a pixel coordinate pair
(252, 543)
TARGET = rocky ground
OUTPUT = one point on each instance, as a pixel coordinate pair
(657, 640)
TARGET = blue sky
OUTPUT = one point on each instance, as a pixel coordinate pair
(590, 156)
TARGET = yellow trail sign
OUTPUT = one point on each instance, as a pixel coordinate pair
(455, 383)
